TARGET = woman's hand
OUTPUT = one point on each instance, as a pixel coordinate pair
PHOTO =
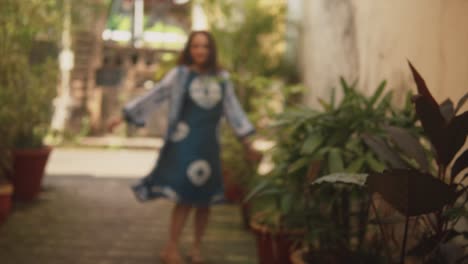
(250, 153)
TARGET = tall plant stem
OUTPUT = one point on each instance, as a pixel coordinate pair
(405, 237)
(387, 250)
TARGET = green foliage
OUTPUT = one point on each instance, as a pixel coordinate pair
(333, 142)
(250, 40)
(27, 85)
(438, 197)
(250, 35)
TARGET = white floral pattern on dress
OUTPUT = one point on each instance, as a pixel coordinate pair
(181, 132)
(199, 172)
(205, 92)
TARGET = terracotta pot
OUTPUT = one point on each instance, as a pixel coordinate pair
(304, 256)
(28, 171)
(233, 191)
(274, 247)
(296, 257)
(6, 191)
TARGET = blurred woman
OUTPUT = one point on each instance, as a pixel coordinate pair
(188, 171)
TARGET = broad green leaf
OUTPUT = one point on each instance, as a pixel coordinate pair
(287, 202)
(356, 165)
(348, 178)
(374, 164)
(335, 161)
(298, 164)
(259, 188)
(312, 143)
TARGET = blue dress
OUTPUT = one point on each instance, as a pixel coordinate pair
(189, 168)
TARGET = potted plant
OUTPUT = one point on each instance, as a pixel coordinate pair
(252, 72)
(6, 117)
(6, 192)
(6, 188)
(32, 75)
(255, 74)
(337, 139)
(34, 111)
(431, 201)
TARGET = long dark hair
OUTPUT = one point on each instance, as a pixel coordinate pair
(211, 64)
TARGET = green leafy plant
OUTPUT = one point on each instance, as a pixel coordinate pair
(339, 141)
(435, 202)
(27, 78)
(250, 37)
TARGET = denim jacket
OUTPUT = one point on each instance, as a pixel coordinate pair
(171, 88)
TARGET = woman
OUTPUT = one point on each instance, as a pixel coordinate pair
(188, 170)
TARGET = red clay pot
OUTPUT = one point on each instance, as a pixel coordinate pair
(233, 191)
(28, 171)
(6, 191)
(274, 247)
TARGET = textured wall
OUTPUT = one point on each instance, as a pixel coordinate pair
(371, 40)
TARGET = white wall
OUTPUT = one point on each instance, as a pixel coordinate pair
(371, 40)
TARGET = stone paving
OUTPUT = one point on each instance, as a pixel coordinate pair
(91, 220)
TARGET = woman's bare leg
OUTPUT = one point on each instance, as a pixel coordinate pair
(202, 215)
(179, 217)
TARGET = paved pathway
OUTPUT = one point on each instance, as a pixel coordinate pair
(102, 163)
(95, 220)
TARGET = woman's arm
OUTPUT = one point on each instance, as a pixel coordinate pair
(138, 110)
(233, 111)
(238, 120)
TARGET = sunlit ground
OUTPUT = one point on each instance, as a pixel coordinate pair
(87, 214)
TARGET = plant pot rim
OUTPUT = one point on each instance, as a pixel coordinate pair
(297, 256)
(6, 188)
(263, 229)
(32, 151)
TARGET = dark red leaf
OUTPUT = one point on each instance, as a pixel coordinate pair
(460, 164)
(434, 126)
(457, 131)
(411, 192)
(421, 84)
(425, 246)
